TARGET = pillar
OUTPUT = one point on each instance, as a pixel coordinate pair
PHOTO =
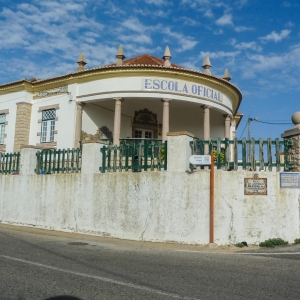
(117, 121)
(227, 126)
(28, 159)
(91, 156)
(166, 118)
(78, 129)
(227, 136)
(179, 151)
(22, 127)
(206, 126)
(293, 135)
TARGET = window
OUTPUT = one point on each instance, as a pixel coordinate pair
(48, 125)
(143, 134)
(2, 128)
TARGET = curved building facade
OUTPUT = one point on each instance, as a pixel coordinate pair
(142, 97)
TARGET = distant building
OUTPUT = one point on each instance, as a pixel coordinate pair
(142, 97)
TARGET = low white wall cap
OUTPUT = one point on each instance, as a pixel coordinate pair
(94, 142)
(175, 133)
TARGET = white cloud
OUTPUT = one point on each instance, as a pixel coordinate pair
(218, 31)
(242, 28)
(113, 10)
(185, 42)
(153, 13)
(219, 54)
(226, 19)
(208, 13)
(276, 37)
(158, 2)
(241, 3)
(191, 65)
(135, 25)
(259, 63)
(45, 26)
(188, 21)
(139, 39)
(205, 6)
(246, 46)
(289, 24)
(264, 62)
(133, 49)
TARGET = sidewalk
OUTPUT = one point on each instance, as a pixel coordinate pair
(127, 244)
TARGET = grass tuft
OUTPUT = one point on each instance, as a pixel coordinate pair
(240, 245)
(271, 243)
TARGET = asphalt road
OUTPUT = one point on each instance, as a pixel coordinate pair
(36, 264)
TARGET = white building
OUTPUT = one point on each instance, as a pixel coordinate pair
(142, 97)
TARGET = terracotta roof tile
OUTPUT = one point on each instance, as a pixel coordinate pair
(147, 59)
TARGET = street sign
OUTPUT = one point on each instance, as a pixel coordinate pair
(202, 160)
(289, 180)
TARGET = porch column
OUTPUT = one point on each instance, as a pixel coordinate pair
(227, 136)
(227, 126)
(117, 121)
(79, 106)
(206, 126)
(166, 120)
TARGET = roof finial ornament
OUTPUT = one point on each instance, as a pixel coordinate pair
(81, 62)
(120, 56)
(226, 75)
(206, 65)
(167, 56)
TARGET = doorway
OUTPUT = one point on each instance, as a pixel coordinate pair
(140, 133)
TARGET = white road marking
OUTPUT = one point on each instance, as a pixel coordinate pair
(269, 253)
(127, 284)
(244, 253)
(204, 252)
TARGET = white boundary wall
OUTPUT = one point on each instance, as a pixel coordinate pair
(151, 206)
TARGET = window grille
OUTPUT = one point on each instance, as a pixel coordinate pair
(2, 128)
(48, 125)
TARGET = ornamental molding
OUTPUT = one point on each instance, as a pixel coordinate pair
(52, 92)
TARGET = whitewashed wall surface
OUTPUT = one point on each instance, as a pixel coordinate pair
(150, 206)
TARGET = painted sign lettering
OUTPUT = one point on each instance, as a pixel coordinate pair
(182, 87)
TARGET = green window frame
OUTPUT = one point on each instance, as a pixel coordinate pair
(48, 125)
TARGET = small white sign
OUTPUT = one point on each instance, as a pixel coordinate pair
(200, 160)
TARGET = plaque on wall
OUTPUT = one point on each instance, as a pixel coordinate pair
(255, 185)
(289, 180)
(52, 92)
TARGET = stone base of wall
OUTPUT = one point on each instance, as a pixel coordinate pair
(152, 206)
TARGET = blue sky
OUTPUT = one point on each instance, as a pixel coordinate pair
(258, 41)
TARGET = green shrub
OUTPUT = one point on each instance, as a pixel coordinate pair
(240, 245)
(297, 241)
(271, 243)
(222, 155)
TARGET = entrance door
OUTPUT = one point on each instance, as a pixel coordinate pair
(143, 133)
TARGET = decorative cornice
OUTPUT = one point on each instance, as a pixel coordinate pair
(122, 71)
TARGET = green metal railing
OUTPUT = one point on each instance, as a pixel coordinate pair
(58, 161)
(248, 154)
(10, 163)
(137, 157)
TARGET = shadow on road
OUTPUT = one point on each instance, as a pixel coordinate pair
(65, 297)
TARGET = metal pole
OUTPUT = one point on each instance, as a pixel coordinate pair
(249, 120)
(212, 200)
